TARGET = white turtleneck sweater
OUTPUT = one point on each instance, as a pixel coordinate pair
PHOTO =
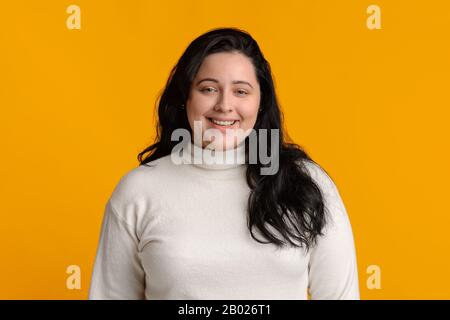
(179, 231)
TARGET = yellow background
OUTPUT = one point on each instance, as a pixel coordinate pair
(371, 106)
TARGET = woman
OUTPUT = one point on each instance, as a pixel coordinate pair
(180, 226)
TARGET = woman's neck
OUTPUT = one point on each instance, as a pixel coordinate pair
(214, 159)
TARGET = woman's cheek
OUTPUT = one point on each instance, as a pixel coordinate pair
(249, 116)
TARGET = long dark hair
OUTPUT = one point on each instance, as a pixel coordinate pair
(289, 201)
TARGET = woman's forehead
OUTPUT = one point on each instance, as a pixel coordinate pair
(227, 67)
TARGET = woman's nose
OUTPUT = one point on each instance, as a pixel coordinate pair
(224, 104)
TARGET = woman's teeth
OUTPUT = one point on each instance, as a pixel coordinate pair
(222, 123)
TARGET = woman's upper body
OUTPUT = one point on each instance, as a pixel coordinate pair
(179, 231)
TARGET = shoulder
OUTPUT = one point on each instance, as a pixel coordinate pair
(331, 195)
(136, 190)
(138, 183)
(319, 175)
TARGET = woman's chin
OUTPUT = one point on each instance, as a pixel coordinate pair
(220, 144)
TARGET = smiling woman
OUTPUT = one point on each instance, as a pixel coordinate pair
(225, 95)
(195, 230)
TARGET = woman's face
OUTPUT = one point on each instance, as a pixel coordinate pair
(224, 95)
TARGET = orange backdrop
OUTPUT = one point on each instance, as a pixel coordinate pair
(370, 105)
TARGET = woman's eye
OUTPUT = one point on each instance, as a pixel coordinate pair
(211, 89)
(208, 89)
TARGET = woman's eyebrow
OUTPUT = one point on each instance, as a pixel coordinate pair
(217, 81)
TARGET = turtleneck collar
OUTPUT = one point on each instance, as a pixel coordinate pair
(214, 159)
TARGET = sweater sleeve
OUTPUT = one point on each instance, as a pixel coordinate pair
(333, 272)
(117, 272)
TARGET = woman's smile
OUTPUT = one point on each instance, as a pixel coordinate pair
(223, 124)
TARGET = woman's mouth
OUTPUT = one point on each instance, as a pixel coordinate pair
(222, 123)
